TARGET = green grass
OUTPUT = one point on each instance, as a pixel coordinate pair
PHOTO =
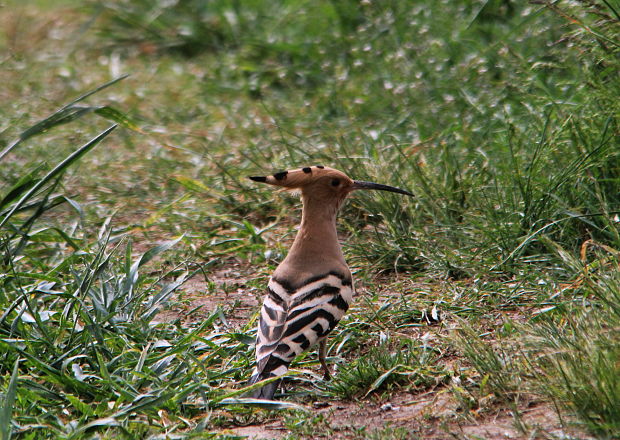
(501, 117)
(579, 363)
(382, 369)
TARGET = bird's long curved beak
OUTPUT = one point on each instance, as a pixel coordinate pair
(360, 184)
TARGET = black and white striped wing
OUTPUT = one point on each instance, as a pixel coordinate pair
(293, 320)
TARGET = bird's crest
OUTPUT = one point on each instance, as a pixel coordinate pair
(299, 178)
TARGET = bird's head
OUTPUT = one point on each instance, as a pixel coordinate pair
(322, 183)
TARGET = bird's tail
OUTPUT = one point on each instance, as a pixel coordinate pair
(268, 367)
(265, 392)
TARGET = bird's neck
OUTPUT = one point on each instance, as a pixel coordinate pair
(316, 245)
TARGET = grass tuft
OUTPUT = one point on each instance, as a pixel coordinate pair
(579, 355)
(383, 369)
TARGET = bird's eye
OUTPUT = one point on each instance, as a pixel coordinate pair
(335, 182)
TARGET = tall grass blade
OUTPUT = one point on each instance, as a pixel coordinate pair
(73, 157)
(66, 114)
(97, 89)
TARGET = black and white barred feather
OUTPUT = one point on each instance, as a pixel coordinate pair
(296, 316)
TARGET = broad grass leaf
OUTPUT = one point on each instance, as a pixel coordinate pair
(6, 410)
(82, 407)
(53, 235)
(163, 295)
(104, 422)
(146, 257)
(161, 365)
(243, 338)
(377, 383)
(117, 116)
(75, 205)
(144, 402)
(244, 390)
(23, 184)
(62, 116)
(261, 403)
(193, 185)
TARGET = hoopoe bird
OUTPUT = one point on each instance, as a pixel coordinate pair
(311, 290)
